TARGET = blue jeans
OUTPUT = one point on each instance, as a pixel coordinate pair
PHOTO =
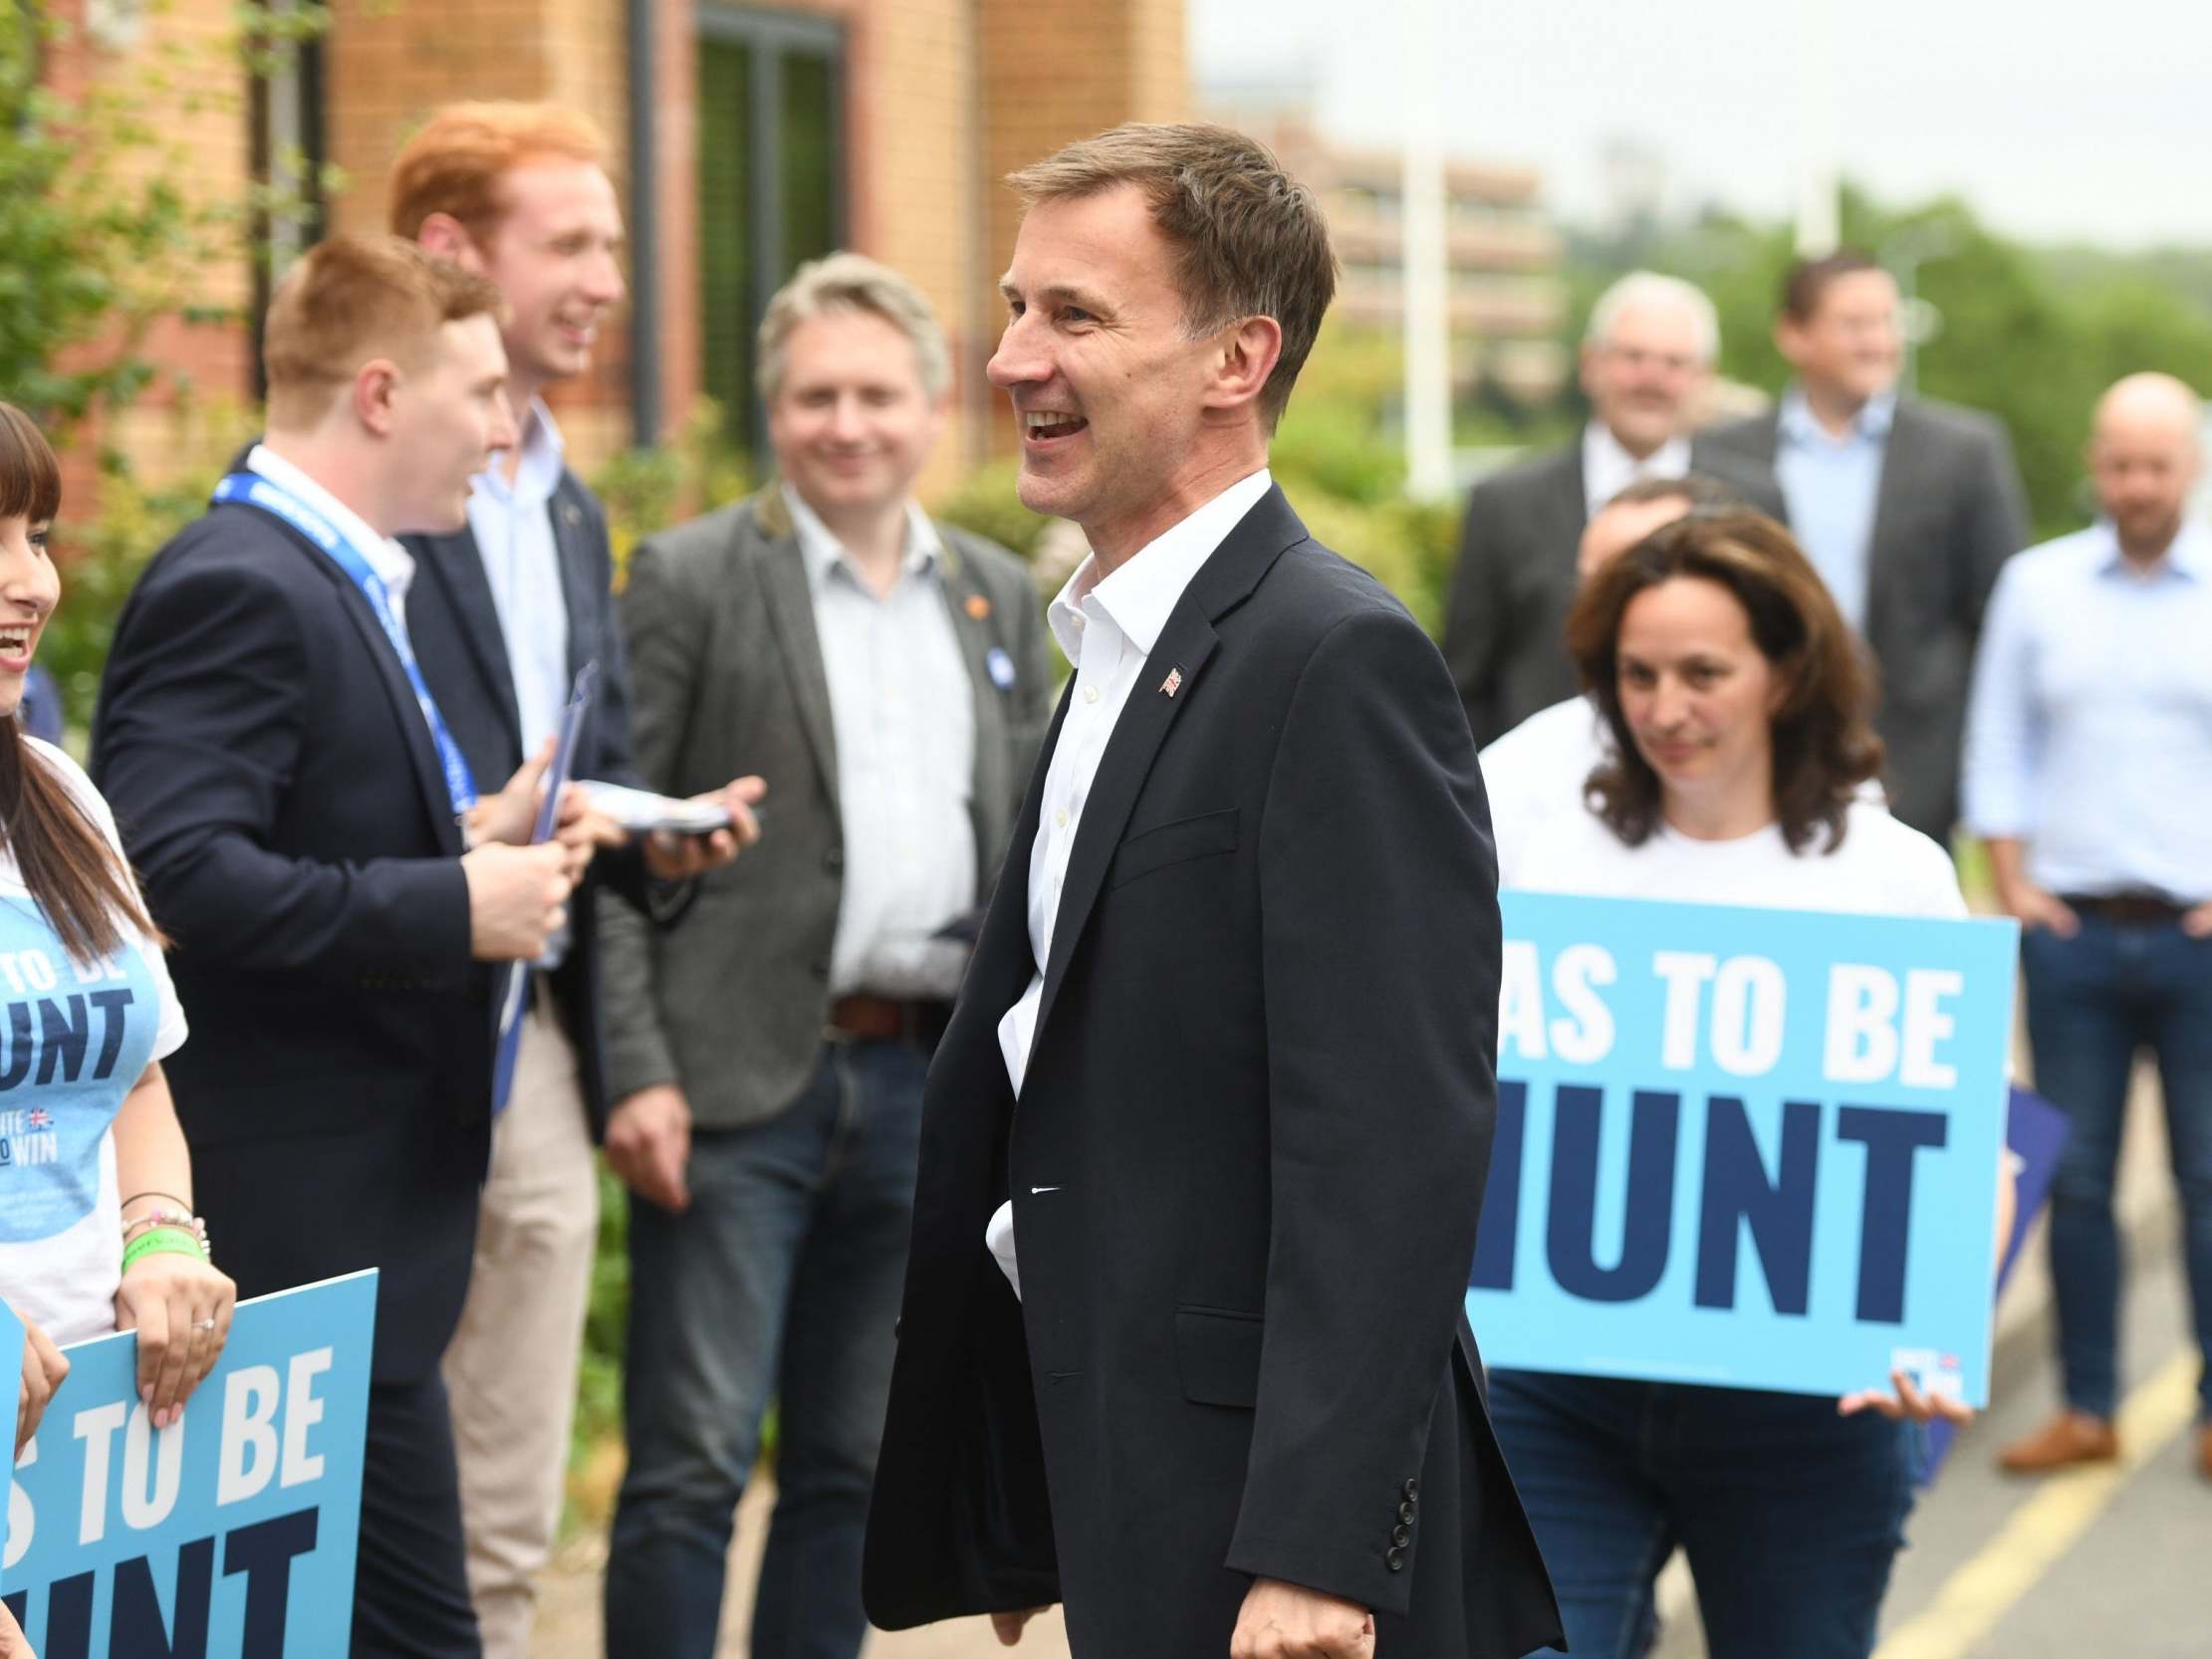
(2094, 1000)
(782, 1280)
(1791, 1515)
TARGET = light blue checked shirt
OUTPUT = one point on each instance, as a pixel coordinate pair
(1830, 485)
(2090, 732)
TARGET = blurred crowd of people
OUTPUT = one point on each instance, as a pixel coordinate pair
(1778, 662)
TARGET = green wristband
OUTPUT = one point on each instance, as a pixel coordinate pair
(163, 1241)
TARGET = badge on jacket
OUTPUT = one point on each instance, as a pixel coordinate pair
(1000, 667)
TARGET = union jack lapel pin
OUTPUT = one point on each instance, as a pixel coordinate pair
(1173, 683)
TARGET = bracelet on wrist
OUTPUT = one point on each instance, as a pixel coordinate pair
(162, 1216)
(163, 1241)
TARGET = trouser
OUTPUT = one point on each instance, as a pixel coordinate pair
(1791, 1516)
(512, 1365)
(410, 1589)
(2095, 1001)
(782, 1279)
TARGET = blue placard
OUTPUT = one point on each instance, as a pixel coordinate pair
(11, 1355)
(229, 1535)
(1744, 1146)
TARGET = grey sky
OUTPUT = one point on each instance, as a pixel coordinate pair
(2057, 120)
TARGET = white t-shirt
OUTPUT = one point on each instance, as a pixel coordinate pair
(74, 1040)
(1537, 771)
(1882, 867)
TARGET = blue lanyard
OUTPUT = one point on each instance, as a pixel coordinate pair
(256, 491)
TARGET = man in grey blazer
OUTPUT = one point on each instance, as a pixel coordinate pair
(1906, 506)
(1646, 363)
(889, 678)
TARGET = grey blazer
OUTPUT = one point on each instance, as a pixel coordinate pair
(727, 679)
(1949, 510)
(1505, 624)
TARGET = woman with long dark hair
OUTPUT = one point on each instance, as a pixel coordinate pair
(97, 1227)
(1735, 705)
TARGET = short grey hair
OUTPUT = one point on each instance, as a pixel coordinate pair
(1650, 288)
(850, 282)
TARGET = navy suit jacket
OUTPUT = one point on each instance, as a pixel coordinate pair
(453, 625)
(278, 791)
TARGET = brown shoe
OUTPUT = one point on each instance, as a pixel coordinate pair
(2071, 1437)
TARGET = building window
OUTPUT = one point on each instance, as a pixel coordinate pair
(771, 178)
(291, 149)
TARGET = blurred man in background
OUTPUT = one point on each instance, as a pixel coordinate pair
(1905, 507)
(2089, 772)
(1646, 366)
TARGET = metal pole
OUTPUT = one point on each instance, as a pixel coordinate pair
(1425, 289)
(1820, 213)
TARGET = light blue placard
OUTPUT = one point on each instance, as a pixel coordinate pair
(1747, 1147)
(229, 1533)
(11, 1355)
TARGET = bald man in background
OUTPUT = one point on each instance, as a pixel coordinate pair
(2089, 772)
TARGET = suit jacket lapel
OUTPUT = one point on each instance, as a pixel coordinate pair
(415, 730)
(575, 558)
(1892, 491)
(783, 577)
(970, 610)
(456, 562)
(1184, 644)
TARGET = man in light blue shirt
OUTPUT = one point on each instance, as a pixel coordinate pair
(1830, 470)
(2089, 772)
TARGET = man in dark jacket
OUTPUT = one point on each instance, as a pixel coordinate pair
(1182, 1346)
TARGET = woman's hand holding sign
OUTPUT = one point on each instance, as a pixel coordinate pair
(43, 1371)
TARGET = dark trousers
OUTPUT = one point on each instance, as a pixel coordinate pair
(783, 1279)
(410, 1583)
(2093, 1002)
(1791, 1515)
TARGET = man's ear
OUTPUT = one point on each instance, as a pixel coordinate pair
(1789, 339)
(1250, 350)
(449, 238)
(375, 389)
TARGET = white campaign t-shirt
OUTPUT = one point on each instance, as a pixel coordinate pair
(1881, 867)
(74, 1040)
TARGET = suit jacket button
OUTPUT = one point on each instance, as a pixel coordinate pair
(833, 859)
(820, 970)
(1395, 1560)
(1401, 1536)
(1413, 1489)
(1405, 1511)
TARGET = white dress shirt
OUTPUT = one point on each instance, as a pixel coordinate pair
(513, 526)
(393, 564)
(1607, 469)
(1108, 624)
(902, 711)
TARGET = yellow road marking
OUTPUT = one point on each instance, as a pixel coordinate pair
(1977, 1596)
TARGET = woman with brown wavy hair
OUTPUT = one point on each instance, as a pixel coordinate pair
(1737, 772)
(97, 1231)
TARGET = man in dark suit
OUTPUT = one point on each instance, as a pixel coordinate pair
(1182, 1345)
(1646, 366)
(508, 611)
(1905, 506)
(889, 678)
(310, 841)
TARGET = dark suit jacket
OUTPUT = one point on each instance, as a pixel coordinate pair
(453, 625)
(279, 792)
(1505, 624)
(730, 1000)
(1948, 512)
(1246, 1166)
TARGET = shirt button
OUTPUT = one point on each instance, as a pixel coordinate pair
(1060, 819)
(1090, 694)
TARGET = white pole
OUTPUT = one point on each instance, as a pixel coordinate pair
(1819, 212)
(1427, 284)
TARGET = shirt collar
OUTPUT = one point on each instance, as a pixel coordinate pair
(2190, 555)
(1609, 468)
(1138, 594)
(824, 552)
(394, 564)
(1876, 416)
(543, 454)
